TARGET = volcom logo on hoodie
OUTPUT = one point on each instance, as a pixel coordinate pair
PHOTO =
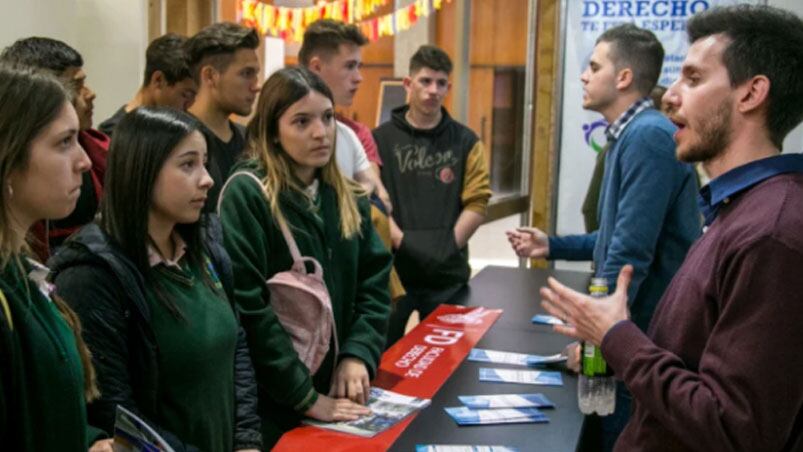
(416, 158)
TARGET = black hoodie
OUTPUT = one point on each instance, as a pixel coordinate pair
(424, 171)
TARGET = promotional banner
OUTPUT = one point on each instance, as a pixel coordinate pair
(416, 366)
(582, 132)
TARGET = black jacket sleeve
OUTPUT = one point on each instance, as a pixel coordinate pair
(96, 296)
(247, 425)
(6, 426)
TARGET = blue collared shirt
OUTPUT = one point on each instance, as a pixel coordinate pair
(720, 190)
(613, 131)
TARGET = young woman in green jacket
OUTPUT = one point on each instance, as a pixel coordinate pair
(150, 280)
(291, 150)
(46, 376)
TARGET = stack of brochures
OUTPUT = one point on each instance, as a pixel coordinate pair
(530, 377)
(387, 409)
(515, 359)
(500, 409)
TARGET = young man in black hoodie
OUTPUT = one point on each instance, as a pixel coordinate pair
(436, 175)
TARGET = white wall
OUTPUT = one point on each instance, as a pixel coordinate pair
(53, 18)
(111, 35)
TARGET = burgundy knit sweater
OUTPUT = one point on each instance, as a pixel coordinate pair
(721, 367)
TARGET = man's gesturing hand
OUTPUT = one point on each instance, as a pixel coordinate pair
(529, 242)
(587, 318)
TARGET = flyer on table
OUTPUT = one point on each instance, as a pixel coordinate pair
(506, 401)
(532, 377)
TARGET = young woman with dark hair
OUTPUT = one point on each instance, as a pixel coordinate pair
(46, 375)
(152, 285)
(292, 180)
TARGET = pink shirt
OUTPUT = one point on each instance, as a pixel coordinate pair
(155, 258)
(365, 137)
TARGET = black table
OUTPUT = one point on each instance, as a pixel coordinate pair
(516, 292)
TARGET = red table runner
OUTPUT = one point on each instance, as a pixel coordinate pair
(417, 365)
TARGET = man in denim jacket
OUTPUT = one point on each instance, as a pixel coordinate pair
(648, 215)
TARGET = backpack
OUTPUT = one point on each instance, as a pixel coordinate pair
(300, 300)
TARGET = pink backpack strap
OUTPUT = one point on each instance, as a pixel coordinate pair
(298, 260)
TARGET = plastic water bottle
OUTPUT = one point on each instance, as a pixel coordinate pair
(596, 387)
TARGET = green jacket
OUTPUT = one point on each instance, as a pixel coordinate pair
(356, 272)
(42, 404)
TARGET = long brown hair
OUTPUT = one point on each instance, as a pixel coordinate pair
(284, 88)
(29, 102)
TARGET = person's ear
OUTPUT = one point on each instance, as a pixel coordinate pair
(315, 64)
(624, 79)
(209, 75)
(158, 80)
(407, 83)
(753, 94)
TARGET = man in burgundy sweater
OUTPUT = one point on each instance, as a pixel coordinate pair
(720, 367)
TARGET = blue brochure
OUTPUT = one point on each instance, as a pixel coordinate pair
(462, 448)
(542, 319)
(467, 416)
(515, 359)
(506, 401)
(532, 377)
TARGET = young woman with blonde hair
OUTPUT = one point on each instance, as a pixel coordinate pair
(291, 180)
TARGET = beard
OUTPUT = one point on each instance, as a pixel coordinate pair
(714, 132)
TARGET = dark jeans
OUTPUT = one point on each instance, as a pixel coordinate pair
(422, 300)
(613, 424)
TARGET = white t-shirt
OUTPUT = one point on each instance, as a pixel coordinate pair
(349, 152)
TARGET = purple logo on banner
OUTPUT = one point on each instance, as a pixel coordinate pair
(593, 139)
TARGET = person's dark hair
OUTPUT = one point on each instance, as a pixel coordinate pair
(42, 53)
(142, 142)
(638, 49)
(324, 37)
(167, 54)
(656, 95)
(763, 41)
(216, 45)
(430, 57)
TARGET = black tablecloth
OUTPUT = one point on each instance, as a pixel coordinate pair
(516, 292)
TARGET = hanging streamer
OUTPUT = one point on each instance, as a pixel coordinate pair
(291, 23)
